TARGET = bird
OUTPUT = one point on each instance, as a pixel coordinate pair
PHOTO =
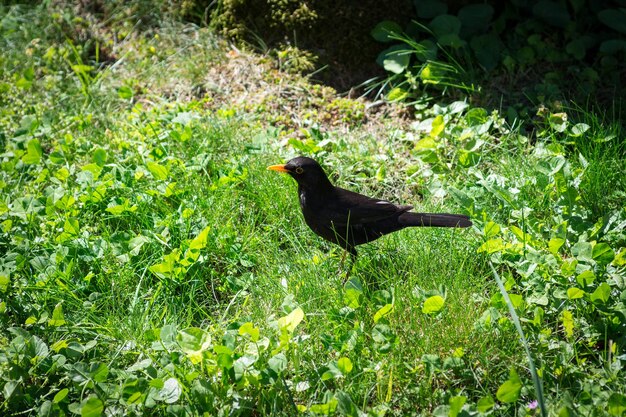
(349, 219)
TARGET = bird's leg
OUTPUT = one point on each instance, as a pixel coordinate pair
(352, 261)
(343, 258)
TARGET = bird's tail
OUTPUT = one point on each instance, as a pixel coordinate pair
(434, 220)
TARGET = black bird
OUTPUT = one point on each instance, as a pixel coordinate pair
(350, 219)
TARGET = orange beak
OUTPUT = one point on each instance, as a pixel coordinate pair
(279, 168)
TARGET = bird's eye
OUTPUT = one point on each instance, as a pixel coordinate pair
(299, 170)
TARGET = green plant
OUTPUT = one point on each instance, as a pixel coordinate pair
(474, 43)
(414, 65)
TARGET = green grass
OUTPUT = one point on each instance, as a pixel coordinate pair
(151, 265)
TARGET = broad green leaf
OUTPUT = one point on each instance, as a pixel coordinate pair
(435, 73)
(61, 344)
(582, 251)
(57, 316)
(157, 170)
(99, 157)
(457, 107)
(574, 293)
(225, 360)
(475, 17)
(291, 320)
(99, 372)
(325, 409)
(509, 391)
(156, 383)
(62, 174)
(427, 9)
(71, 226)
(168, 334)
(585, 278)
(426, 150)
(517, 300)
(382, 312)
(568, 322)
(345, 404)
(395, 59)
(578, 49)
(568, 267)
(492, 246)
(136, 243)
(134, 390)
(613, 46)
(552, 12)
(456, 405)
(332, 372)
(307, 146)
(384, 337)
(384, 29)
(170, 267)
(485, 404)
(602, 293)
(437, 127)
(602, 253)
(614, 18)
(352, 297)
(426, 51)
(491, 229)
(60, 396)
(91, 407)
(551, 165)
(194, 341)
(9, 389)
(95, 169)
(250, 330)
(468, 158)
(33, 153)
(56, 157)
(451, 40)
(433, 304)
(397, 94)
(29, 74)
(199, 242)
(170, 393)
(193, 253)
(476, 116)
(278, 363)
(579, 129)
(558, 121)
(445, 24)
(345, 365)
(41, 350)
(487, 48)
(117, 209)
(617, 404)
(125, 92)
(555, 244)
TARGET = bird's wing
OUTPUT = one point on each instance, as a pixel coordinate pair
(353, 208)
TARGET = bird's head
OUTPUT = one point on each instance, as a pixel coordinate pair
(306, 171)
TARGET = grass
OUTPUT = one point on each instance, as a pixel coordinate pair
(152, 265)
